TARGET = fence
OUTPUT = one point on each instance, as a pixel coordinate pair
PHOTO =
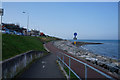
(81, 69)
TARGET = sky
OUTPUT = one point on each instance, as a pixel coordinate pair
(60, 0)
(91, 20)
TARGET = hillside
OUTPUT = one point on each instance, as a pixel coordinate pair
(13, 44)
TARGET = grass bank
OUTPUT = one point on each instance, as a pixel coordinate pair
(72, 76)
(13, 45)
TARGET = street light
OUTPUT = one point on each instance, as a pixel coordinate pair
(1, 14)
(27, 21)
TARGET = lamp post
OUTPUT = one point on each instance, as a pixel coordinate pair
(27, 21)
(1, 14)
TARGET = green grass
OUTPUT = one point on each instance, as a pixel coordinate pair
(47, 39)
(13, 45)
(72, 76)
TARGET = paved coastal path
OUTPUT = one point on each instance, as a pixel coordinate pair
(45, 67)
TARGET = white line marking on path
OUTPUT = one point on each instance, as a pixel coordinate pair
(43, 66)
(43, 62)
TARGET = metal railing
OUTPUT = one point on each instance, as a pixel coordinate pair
(85, 64)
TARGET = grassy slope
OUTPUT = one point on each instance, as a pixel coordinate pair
(13, 45)
(71, 74)
(47, 39)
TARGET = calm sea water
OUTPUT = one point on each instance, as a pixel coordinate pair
(109, 48)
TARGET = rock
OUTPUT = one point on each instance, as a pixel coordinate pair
(102, 61)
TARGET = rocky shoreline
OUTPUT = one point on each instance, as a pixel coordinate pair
(105, 62)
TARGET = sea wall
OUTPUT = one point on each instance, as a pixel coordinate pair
(11, 67)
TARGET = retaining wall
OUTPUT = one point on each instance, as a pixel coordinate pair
(11, 67)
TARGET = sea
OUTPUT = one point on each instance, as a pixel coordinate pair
(109, 48)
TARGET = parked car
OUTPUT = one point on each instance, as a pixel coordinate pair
(18, 33)
(22, 34)
(3, 31)
(14, 32)
(11, 32)
(7, 32)
(32, 35)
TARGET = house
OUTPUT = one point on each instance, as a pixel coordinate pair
(24, 31)
(42, 34)
(11, 27)
(34, 32)
(14, 29)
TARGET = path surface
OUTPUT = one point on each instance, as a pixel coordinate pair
(45, 67)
